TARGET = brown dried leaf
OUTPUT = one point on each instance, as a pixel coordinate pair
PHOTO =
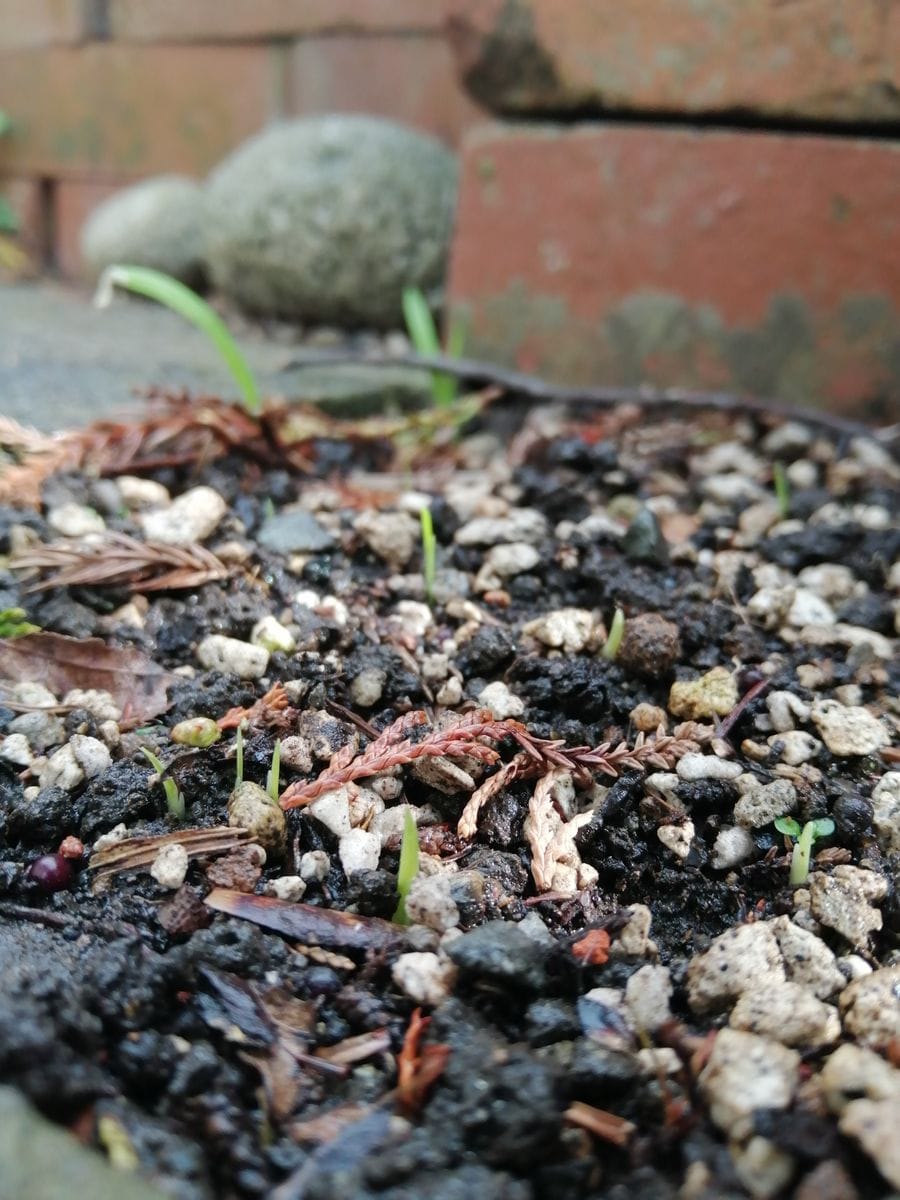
(328, 927)
(136, 683)
(136, 853)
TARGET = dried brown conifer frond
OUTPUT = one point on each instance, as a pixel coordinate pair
(117, 560)
(28, 457)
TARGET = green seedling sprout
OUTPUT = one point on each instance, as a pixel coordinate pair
(239, 756)
(803, 843)
(174, 798)
(424, 336)
(409, 866)
(162, 288)
(782, 490)
(616, 632)
(429, 553)
(14, 623)
(272, 778)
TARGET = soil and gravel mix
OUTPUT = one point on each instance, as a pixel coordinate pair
(617, 977)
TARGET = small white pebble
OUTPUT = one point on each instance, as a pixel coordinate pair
(692, 767)
(289, 888)
(75, 520)
(191, 518)
(314, 866)
(677, 838)
(273, 636)
(359, 850)
(424, 977)
(170, 866)
(232, 657)
(138, 494)
(14, 748)
(501, 701)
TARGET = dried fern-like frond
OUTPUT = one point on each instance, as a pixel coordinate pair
(117, 560)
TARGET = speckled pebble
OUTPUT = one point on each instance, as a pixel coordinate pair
(842, 901)
(232, 657)
(788, 1013)
(512, 558)
(314, 866)
(648, 993)
(191, 518)
(874, 1124)
(426, 978)
(367, 688)
(807, 608)
(170, 866)
(807, 960)
(761, 805)
(744, 1073)
(785, 710)
(853, 1071)
(848, 731)
(250, 807)
(429, 902)
(633, 939)
(677, 838)
(871, 1007)
(712, 695)
(796, 746)
(393, 537)
(746, 956)
(289, 888)
(520, 525)
(886, 811)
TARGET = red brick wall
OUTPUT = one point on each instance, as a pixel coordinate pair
(105, 92)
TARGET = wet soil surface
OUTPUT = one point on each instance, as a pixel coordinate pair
(595, 1029)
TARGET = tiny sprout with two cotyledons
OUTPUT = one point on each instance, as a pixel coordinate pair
(803, 843)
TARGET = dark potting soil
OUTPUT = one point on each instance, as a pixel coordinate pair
(220, 1052)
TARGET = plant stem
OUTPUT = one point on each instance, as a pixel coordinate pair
(801, 855)
(616, 631)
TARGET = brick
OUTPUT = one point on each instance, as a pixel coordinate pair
(221, 20)
(134, 110)
(822, 59)
(25, 23)
(762, 262)
(409, 79)
(25, 198)
(73, 201)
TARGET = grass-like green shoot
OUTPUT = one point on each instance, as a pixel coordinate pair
(616, 632)
(424, 336)
(409, 866)
(804, 838)
(239, 757)
(174, 798)
(429, 553)
(782, 487)
(14, 623)
(162, 288)
(273, 777)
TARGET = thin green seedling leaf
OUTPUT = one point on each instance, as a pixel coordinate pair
(239, 756)
(782, 486)
(409, 865)
(424, 336)
(274, 773)
(616, 633)
(14, 623)
(788, 826)
(429, 553)
(156, 285)
(174, 798)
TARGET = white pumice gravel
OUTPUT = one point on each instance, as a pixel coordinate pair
(289, 888)
(425, 977)
(566, 629)
(140, 494)
(692, 767)
(232, 657)
(870, 1007)
(786, 710)
(843, 901)
(807, 608)
(501, 701)
(519, 525)
(96, 701)
(733, 845)
(430, 903)
(796, 746)
(874, 1124)
(170, 866)
(273, 636)
(633, 939)
(14, 748)
(367, 687)
(359, 850)
(746, 1072)
(75, 521)
(314, 866)
(852, 1071)
(332, 809)
(677, 838)
(191, 518)
(807, 959)
(848, 731)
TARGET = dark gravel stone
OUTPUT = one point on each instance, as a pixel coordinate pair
(296, 532)
(550, 1021)
(507, 869)
(490, 649)
(598, 1072)
(650, 645)
(643, 540)
(47, 818)
(852, 817)
(501, 953)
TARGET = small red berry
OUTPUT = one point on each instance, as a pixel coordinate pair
(51, 872)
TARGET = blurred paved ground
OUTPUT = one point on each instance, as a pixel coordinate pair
(64, 362)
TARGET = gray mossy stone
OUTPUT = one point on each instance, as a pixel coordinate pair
(156, 223)
(328, 218)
